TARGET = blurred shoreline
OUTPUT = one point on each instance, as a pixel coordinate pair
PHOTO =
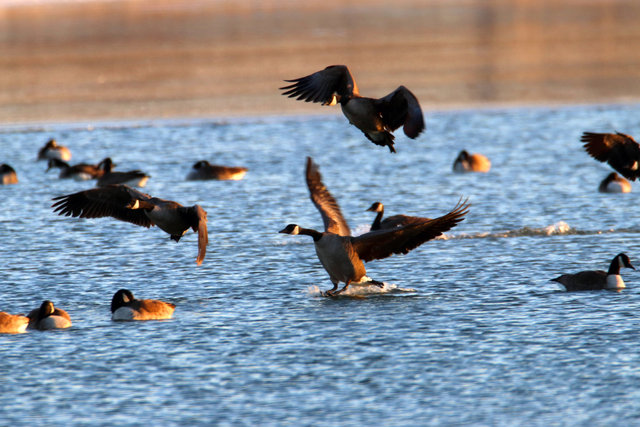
(143, 60)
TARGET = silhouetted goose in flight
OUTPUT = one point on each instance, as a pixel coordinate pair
(48, 317)
(377, 118)
(342, 256)
(475, 162)
(80, 172)
(51, 150)
(621, 151)
(597, 279)
(203, 170)
(392, 221)
(130, 205)
(8, 175)
(135, 178)
(13, 323)
(614, 183)
(125, 307)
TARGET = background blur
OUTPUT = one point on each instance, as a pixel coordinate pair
(88, 60)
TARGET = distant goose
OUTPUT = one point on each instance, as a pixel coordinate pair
(8, 175)
(13, 323)
(475, 162)
(597, 279)
(80, 171)
(342, 256)
(125, 307)
(621, 151)
(614, 183)
(52, 150)
(203, 170)
(377, 118)
(392, 221)
(130, 205)
(48, 317)
(135, 178)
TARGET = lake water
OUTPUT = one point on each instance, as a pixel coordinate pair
(468, 330)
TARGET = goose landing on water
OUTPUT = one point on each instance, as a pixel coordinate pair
(620, 151)
(376, 118)
(597, 279)
(130, 205)
(342, 255)
(125, 307)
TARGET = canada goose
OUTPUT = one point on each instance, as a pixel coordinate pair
(136, 177)
(377, 118)
(392, 221)
(8, 175)
(125, 307)
(475, 162)
(51, 150)
(597, 279)
(130, 205)
(204, 170)
(621, 151)
(48, 317)
(13, 323)
(79, 172)
(342, 256)
(614, 183)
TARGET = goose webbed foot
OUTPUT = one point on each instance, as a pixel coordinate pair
(377, 283)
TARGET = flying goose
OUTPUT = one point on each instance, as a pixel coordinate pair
(614, 183)
(475, 162)
(203, 170)
(621, 151)
(342, 256)
(377, 118)
(597, 279)
(13, 323)
(7, 175)
(125, 307)
(392, 221)
(51, 150)
(80, 171)
(136, 177)
(48, 317)
(130, 205)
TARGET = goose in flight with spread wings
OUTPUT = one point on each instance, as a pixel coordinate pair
(130, 205)
(342, 255)
(621, 151)
(377, 118)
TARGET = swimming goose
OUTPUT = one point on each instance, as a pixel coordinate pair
(13, 323)
(342, 256)
(79, 172)
(475, 162)
(621, 151)
(376, 118)
(136, 177)
(392, 221)
(204, 170)
(48, 317)
(130, 205)
(597, 279)
(51, 150)
(125, 307)
(7, 175)
(614, 183)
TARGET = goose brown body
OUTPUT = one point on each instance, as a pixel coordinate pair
(619, 150)
(597, 279)
(124, 306)
(13, 323)
(135, 178)
(8, 175)
(51, 150)
(47, 316)
(203, 170)
(474, 162)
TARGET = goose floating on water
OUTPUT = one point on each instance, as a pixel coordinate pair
(51, 150)
(127, 204)
(203, 170)
(48, 317)
(475, 162)
(614, 183)
(376, 118)
(135, 178)
(8, 175)
(125, 307)
(342, 255)
(392, 221)
(597, 279)
(620, 151)
(13, 323)
(79, 172)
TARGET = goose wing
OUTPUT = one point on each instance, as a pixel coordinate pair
(620, 151)
(384, 243)
(196, 218)
(117, 201)
(328, 207)
(401, 221)
(321, 86)
(401, 107)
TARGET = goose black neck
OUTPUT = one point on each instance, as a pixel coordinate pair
(614, 267)
(377, 221)
(316, 235)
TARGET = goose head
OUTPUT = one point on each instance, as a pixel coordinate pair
(292, 229)
(376, 207)
(121, 298)
(201, 164)
(623, 261)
